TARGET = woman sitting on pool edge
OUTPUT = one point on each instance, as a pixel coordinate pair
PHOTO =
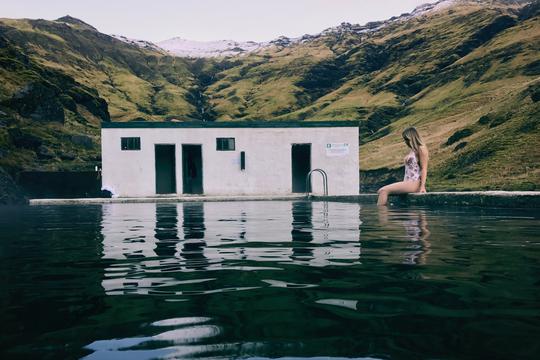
(416, 164)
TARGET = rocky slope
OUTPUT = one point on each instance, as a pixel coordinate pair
(465, 72)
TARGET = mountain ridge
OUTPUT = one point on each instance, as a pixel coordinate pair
(230, 48)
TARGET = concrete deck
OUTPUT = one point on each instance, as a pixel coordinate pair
(163, 199)
(507, 199)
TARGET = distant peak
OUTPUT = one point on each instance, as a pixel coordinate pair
(74, 21)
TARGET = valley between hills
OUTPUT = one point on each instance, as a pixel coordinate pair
(466, 74)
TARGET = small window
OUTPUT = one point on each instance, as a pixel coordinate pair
(131, 143)
(242, 160)
(225, 144)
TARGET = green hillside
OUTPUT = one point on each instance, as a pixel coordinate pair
(467, 76)
(60, 79)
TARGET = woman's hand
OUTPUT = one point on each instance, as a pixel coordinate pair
(422, 189)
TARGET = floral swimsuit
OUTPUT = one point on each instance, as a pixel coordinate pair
(412, 169)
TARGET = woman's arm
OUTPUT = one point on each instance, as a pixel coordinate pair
(424, 159)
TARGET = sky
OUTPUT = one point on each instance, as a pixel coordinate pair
(205, 20)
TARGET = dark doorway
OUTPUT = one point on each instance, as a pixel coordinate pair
(192, 169)
(301, 166)
(165, 169)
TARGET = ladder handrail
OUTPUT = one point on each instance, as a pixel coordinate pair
(324, 177)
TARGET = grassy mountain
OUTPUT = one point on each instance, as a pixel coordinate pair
(465, 73)
(467, 76)
(60, 79)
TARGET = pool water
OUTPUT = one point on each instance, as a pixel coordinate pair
(292, 279)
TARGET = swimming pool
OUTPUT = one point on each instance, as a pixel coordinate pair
(268, 279)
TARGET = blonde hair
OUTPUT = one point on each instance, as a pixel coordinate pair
(412, 138)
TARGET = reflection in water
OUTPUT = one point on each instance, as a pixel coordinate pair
(417, 248)
(128, 231)
(182, 335)
(193, 245)
(152, 249)
(418, 233)
(166, 231)
(241, 291)
(301, 232)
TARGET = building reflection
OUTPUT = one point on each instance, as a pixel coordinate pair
(128, 231)
(149, 246)
(302, 227)
(166, 229)
(193, 245)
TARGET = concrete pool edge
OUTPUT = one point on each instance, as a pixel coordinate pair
(508, 199)
(504, 199)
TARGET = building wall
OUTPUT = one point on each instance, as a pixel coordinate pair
(268, 159)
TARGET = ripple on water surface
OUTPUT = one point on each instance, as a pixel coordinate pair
(268, 280)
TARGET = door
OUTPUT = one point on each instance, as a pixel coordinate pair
(165, 169)
(192, 169)
(301, 166)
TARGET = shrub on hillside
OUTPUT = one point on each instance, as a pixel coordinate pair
(458, 135)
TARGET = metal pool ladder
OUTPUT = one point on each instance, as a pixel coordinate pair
(324, 177)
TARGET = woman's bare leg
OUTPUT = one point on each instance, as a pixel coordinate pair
(401, 187)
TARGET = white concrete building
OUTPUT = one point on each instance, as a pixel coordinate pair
(141, 159)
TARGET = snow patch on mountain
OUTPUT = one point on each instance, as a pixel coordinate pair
(191, 48)
(140, 43)
(432, 7)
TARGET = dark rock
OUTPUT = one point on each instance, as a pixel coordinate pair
(40, 101)
(44, 152)
(532, 69)
(10, 193)
(22, 138)
(83, 140)
(91, 101)
(68, 102)
(6, 120)
(67, 156)
(460, 146)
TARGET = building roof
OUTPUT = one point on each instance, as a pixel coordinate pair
(228, 124)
